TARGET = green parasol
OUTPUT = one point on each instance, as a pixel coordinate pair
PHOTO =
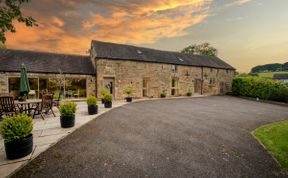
(24, 82)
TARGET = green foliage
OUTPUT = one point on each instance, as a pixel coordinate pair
(189, 93)
(267, 68)
(270, 74)
(262, 88)
(67, 109)
(10, 11)
(92, 101)
(2, 46)
(107, 97)
(16, 127)
(128, 90)
(275, 139)
(203, 49)
(163, 94)
(104, 91)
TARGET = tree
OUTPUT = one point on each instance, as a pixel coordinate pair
(275, 67)
(203, 49)
(9, 11)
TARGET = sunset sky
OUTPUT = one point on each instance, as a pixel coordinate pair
(245, 32)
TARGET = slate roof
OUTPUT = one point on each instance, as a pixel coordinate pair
(114, 51)
(280, 76)
(43, 62)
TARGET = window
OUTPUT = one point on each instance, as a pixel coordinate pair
(212, 81)
(174, 87)
(180, 59)
(227, 71)
(211, 69)
(174, 68)
(145, 88)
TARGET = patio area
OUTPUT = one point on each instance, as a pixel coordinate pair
(48, 132)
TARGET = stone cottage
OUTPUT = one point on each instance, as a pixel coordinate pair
(151, 72)
(115, 66)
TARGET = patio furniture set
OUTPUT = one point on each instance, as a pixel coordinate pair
(9, 107)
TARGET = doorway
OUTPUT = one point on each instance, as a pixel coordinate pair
(197, 86)
(222, 85)
(145, 88)
(109, 83)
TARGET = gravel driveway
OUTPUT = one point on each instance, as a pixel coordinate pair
(197, 137)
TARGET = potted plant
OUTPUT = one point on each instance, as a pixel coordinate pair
(67, 114)
(189, 93)
(128, 91)
(92, 105)
(108, 100)
(17, 134)
(163, 94)
(103, 92)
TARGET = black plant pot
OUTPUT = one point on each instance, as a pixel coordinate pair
(92, 109)
(108, 104)
(103, 101)
(19, 148)
(129, 99)
(67, 122)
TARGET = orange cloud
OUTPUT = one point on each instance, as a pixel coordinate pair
(137, 23)
(237, 3)
(65, 27)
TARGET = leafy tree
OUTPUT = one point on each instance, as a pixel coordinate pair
(2, 46)
(285, 66)
(267, 68)
(9, 11)
(203, 49)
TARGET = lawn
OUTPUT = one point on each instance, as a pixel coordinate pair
(275, 138)
(270, 74)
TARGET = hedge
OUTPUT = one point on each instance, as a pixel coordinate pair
(262, 88)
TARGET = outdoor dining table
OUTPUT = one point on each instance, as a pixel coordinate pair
(26, 107)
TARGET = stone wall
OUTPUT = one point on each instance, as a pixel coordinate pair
(4, 76)
(159, 76)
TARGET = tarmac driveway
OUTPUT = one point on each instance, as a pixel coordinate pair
(197, 137)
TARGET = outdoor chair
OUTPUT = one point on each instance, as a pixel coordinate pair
(45, 107)
(7, 106)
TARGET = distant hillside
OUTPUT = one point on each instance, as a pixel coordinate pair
(276, 67)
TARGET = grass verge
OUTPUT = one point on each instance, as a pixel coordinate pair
(270, 74)
(275, 139)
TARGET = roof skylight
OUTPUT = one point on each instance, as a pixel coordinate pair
(180, 59)
(139, 52)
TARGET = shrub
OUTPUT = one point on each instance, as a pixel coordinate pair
(92, 101)
(16, 127)
(67, 109)
(104, 91)
(108, 97)
(163, 94)
(262, 88)
(189, 93)
(128, 90)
